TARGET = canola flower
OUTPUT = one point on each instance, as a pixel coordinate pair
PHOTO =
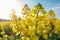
(35, 24)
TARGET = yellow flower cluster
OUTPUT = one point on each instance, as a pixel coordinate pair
(35, 24)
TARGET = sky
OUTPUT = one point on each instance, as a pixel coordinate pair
(7, 5)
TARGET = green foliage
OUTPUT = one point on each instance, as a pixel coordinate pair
(8, 29)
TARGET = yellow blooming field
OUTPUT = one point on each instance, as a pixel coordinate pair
(35, 24)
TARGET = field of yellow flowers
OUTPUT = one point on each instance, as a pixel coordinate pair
(35, 24)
